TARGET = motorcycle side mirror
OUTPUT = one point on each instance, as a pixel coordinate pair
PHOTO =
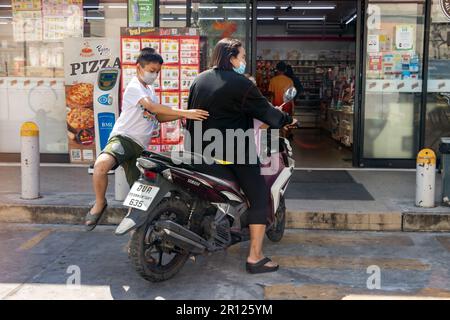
(289, 94)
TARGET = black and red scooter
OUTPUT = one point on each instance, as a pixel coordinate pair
(176, 211)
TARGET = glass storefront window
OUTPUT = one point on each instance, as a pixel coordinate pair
(221, 19)
(438, 99)
(32, 61)
(393, 83)
(172, 13)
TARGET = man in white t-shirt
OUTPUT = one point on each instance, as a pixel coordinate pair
(133, 129)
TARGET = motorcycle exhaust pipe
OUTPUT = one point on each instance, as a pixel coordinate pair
(182, 237)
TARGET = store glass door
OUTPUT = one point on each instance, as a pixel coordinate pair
(392, 82)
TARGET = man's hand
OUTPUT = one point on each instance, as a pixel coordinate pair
(196, 114)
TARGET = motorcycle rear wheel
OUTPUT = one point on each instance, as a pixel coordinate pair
(142, 250)
(276, 232)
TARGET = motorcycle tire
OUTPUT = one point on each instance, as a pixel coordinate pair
(146, 266)
(276, 232)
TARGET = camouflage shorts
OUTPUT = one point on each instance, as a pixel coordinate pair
(126, 152)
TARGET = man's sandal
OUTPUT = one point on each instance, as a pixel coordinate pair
(93, 219)
(260, 267)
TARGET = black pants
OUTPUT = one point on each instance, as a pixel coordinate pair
(252, 183)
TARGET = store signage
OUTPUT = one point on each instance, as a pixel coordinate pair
(84, 60)
(445, 6)
(93, 65)
(141, 13)
(159, 31)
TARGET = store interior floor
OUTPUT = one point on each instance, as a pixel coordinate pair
(314, 148)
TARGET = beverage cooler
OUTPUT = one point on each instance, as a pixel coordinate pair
(180, 49)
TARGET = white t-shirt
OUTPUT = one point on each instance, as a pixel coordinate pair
(135, 122)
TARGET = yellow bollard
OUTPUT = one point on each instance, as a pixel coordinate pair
(425, 178)
(30, 160)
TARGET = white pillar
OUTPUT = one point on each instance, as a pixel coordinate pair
(425, 178)
(121, 186)
(30, 160)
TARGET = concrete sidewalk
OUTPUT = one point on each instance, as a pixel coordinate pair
(67, 195)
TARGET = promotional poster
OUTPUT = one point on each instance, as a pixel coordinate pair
(84, 58)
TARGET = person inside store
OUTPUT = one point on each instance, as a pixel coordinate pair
(132, 131)
(278, 86)
(233, 102)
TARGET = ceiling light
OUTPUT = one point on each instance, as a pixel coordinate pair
(266, 8)
(117, 6)
(302, 18)
(210, 18)
(328, 7)
(94, 18)
(265, 18)
(231, 7)
(208, 7)
(93, 7)
(236, 18)
(174, 7)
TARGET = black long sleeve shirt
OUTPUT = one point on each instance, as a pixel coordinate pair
(233, 101)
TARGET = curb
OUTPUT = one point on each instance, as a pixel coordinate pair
(349, 221)
(51, 214)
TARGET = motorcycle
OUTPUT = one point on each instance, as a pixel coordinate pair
(176, 211)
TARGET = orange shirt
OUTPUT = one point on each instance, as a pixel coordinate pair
(278, 85)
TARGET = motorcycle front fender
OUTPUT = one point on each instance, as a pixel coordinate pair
(135, 217)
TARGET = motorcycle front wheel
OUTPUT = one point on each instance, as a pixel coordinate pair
(153, 260)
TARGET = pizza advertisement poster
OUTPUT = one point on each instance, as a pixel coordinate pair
(83, 58)
(181, 66)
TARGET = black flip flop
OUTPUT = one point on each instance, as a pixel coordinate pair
(259, 267)
(95, 218)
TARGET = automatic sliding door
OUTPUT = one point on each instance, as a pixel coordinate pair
(393, 80)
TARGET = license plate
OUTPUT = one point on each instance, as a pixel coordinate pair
(141, 196)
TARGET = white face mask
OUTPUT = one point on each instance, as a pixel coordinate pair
(149, 77)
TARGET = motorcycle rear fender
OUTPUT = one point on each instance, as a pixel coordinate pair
(135, 217)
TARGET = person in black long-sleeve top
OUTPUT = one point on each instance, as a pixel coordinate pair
(233, 101)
